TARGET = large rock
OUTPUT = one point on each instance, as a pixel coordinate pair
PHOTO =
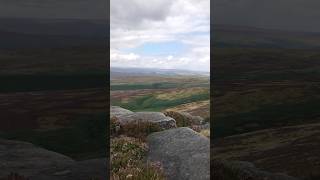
(184, 119)
(37, 163)
(152, 117)
(183, 153)
(118, 111)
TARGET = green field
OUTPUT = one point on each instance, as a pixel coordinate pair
(168, 92)
(152, 103)
(137, 86)
(157, 85)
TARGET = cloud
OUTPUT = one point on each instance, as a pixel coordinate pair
(119, 57)
(162, 21)
(138, 11)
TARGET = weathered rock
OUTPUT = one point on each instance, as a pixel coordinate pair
(158, 118)
(237, 170)
(118, 111)
(184, 119)
(183, 153)
(38, 164)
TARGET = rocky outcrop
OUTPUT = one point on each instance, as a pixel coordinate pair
(37, 164)
(118, 111)
(237, 170)
(126, 117)
(152, 117)
(183, 153)
(184, 119)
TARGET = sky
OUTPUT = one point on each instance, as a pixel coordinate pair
(291, 15)
(166, 34)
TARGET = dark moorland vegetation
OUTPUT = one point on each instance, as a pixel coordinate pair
(83, 139)
(259, 88)
(60, 88)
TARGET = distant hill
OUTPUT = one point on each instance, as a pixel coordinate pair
(249, 37)
(35, 33)
(119, 72)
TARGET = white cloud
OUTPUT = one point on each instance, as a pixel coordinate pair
(127, 13)
(135, 22)
(119, 57)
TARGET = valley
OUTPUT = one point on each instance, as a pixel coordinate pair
(161, 92)
(155, 108)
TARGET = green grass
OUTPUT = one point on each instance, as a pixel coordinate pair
(84, 139)
(151, 103)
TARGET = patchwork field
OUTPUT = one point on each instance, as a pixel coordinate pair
(161, 93)
(198, 108)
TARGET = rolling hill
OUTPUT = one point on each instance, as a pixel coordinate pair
(122, 72)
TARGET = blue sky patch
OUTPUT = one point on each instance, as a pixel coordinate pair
(158, 49)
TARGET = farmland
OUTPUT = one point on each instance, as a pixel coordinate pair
(158, 93)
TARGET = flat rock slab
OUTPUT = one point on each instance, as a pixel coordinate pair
(183, 153)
